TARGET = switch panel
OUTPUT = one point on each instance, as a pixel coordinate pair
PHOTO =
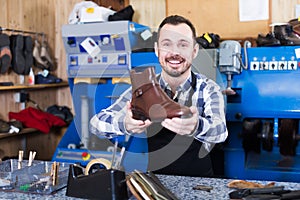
(273, 65)
(254, 65)
(264, 66)
(282, 65)
(292, 65)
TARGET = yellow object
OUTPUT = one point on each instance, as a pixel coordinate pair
(90, 10)
(106, 163)
(207, 37)
(89, 80)
(121, 80)
(87, 157)
(115, 36)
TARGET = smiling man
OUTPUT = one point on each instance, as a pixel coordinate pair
(178, 146)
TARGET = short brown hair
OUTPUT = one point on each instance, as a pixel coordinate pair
(175, 20)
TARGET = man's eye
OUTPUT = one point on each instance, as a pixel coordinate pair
(183, 45)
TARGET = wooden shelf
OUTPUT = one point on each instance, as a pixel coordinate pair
(36, 86)
(22, 132)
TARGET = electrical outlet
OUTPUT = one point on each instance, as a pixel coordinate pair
(17, 97)
(21, 97)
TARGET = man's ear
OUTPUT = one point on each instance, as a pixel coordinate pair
(156, 48)
(196, 50)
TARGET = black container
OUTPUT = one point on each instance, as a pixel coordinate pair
(102, 184)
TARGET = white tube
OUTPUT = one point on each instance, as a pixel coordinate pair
(84, 121)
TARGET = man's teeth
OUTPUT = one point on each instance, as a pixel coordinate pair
(174, 61)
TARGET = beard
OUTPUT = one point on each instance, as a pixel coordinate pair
(175, 72)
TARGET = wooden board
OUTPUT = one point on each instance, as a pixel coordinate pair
(217, 16)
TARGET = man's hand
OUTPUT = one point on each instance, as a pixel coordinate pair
(133, 125)
(182, 126)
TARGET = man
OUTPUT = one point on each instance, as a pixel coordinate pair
(178, 146)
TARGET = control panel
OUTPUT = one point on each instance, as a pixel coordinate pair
(273, 59)
(102, 49)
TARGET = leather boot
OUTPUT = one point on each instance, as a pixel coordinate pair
(37, 56)
(149, 101)
(295, 23)
(285, 34)
(267, 41)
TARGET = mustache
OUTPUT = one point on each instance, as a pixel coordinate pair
(175, 57)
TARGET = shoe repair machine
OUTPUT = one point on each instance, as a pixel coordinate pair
(99, 57)
(263, 112)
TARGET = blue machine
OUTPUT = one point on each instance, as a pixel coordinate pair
(263, 116)
(96, 80)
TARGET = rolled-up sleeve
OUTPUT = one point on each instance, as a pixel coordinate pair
(212, 122)
(109, 122)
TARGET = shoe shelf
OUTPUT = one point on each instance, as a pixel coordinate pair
(36, 86)
(22, 132)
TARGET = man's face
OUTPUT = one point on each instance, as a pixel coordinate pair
(176, 49)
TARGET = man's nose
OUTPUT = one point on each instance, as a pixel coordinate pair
(175, 50)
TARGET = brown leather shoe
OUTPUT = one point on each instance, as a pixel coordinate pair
(149, 101)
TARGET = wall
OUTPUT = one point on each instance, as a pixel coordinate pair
(221, 17)
(149, 13)
(37, 16)
(283, 10)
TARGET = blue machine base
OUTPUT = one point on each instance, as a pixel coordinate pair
(269, 90)
(100, 96)
(276, 168)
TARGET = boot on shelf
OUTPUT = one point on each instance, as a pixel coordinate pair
(268, 40)
(149, 101)
(285, 34)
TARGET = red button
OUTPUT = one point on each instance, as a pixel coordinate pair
(85, 154)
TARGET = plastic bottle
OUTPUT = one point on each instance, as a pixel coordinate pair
(31, 77)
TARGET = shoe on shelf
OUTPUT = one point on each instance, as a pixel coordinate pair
(18, 60)
(268, 40)
(5, 53)
(285, 34)
(38, 62)
(4, 126)
(45, 56)
(208, 40)
(295, 23)
(28, 56)
(41, 79)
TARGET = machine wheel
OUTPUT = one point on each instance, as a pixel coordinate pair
(267, 136)
(251, 141)
(288, 137)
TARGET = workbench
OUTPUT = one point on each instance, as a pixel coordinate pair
(181, 186)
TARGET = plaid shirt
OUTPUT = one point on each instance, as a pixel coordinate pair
(207, 98)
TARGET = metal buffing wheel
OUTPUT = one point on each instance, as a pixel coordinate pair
(288, 137)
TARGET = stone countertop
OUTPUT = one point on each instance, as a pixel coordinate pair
(181, 186)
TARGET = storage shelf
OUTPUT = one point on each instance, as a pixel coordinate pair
(36, 86)
(22, 132)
